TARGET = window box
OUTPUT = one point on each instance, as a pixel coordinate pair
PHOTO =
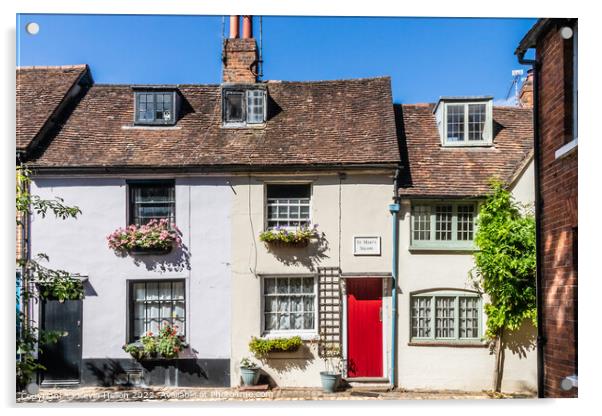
(155, 237)
(261, 347)
(283, 237)
(150, 251)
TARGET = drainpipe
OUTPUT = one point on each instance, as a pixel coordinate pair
(394, 210)
(538, 204)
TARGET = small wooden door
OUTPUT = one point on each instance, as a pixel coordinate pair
(63, 358)
(364, 328)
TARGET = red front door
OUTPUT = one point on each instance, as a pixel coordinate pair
(364, 328)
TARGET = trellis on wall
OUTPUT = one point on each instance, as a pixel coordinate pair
(329, 309)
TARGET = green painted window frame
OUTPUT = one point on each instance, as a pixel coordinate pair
(453, 244)
(456, 294)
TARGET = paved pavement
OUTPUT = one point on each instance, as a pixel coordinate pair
(117, 394)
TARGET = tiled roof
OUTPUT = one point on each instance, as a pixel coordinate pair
(435, 171)
(40, 90)
(309, 123)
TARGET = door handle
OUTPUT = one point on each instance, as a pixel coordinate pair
(380, 314)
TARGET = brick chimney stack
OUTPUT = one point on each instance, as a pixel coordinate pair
(239, 56)
(525, 98)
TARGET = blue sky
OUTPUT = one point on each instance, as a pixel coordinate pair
(425, 57)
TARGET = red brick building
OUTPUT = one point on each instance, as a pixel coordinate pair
(555, 130)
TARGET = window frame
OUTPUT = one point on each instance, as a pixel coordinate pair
(246, 91)
(433, 294)
(433, 243)
(303, 333)
(487, 136)
(265, 202)
(130, 310)
(133, 183)
(155, 121)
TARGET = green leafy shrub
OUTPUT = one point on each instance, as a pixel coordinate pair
(261, 347)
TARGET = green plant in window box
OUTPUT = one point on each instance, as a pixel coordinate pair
(168, 344)
(299, 237)
(136, 350)
(261, 347)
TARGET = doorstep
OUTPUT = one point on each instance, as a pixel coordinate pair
(372, 383)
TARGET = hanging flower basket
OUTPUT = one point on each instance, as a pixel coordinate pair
(282, 237)
(156, 237)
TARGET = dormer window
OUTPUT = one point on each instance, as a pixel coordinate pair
(244, 106)
(465, 121)
(155, 107)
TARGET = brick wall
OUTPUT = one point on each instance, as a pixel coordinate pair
(558, 184)
(240, 60)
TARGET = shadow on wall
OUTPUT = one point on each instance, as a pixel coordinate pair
(176, 261)
(309, 257)
(519, 342)
(108, 373)
(283, 362)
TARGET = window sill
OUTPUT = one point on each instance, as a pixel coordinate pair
(452, 344)
(307, 336)
(151, 127)
(445, 249)
(258, 126)
(482, 145)
(566, 150)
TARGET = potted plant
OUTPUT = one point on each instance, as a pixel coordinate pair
(280, 236)
(331, 354)
(155, 237)
(249, 371)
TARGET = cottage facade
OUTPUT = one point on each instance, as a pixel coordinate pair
(227, 162)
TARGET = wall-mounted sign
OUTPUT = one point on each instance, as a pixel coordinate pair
(366, 246)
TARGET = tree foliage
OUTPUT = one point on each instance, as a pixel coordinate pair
(505, 263)
(37, 281)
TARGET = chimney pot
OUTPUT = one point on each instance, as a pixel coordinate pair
(247, 27)
(234, 26)
(526, 92)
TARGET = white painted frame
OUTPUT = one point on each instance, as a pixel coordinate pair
(304, 334)
(487, 128)
(287, 182)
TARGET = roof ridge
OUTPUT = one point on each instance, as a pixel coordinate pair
(75, 66)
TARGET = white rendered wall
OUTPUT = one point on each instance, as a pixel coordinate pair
(80, 246)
